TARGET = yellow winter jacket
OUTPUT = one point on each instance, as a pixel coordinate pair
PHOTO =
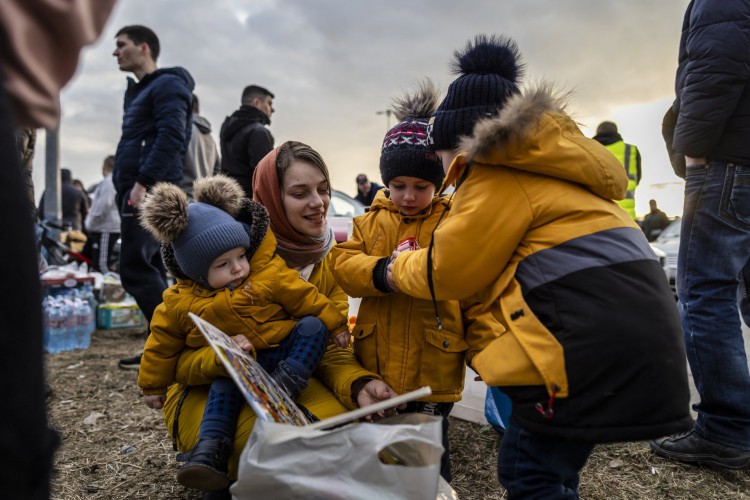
(590, 326)
(328, 393)
(264, 308)
(396, 334)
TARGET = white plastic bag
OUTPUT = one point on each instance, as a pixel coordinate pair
(283, 461)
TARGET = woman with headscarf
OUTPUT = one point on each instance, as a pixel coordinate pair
(292, 182)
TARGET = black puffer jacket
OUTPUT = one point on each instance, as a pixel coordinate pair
(713, 82)
(245, 140)
(156, 129)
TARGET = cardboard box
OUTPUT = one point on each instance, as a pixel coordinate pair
(110, 316)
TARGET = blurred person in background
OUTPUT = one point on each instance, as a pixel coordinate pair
(103, 223)
(202, 158)
(366, 190)
(41, 43)
(629, 156)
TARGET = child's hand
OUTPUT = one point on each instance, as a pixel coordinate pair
(155, 401)
(342, 339)
(389, 277)
(242, 343)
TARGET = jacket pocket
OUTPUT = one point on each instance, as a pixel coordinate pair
(443, 359)
(735, 196)
(365, 345)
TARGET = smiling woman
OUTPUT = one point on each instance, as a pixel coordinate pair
(292, 182)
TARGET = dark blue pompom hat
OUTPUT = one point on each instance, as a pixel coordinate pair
(490, 71)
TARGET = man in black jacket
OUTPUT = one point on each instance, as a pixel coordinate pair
(156, 128)
(707, 133)
(245, 140)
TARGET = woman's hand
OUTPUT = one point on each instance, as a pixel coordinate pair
(155, 401)
(242, 342)
(373, 392)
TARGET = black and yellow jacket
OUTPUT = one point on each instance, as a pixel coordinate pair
(592, 348)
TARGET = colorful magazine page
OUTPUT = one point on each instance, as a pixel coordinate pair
(263, 394)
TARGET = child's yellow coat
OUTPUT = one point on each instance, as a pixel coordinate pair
(396, 335)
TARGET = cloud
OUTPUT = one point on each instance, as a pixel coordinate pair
(333, 65)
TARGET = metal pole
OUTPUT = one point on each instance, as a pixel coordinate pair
(52, 177)
(387, 113)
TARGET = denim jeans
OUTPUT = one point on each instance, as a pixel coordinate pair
(713, 260)
(532, 467)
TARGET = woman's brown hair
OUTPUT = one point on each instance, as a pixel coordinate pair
(292, 151)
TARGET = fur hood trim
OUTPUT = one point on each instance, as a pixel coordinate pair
(516, 120)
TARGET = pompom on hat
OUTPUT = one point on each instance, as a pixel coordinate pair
(405, 149)
(198, 232)
(490, 70)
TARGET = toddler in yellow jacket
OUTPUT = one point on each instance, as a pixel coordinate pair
(233, 279)
(396, 335)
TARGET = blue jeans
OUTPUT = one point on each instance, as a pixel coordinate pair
(532, 467)
(712, 263)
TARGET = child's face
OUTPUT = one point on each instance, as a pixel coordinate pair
(411, 195)
(229, 268)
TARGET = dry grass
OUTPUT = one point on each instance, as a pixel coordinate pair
(114, 447)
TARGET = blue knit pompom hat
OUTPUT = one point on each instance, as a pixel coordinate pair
(210, 232)
(198, 232)
(490, 71)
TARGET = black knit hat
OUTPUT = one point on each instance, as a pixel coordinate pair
(490, 71)
(405, 150)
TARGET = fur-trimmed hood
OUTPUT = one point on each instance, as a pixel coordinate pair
(533, 133)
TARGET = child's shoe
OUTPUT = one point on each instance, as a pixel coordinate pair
(290, 382)
(206, 466)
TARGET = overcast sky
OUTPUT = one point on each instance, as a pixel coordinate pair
(334, 64)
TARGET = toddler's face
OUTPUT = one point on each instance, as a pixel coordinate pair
(411, 195)
(229, 268)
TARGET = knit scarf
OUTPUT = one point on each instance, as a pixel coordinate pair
(297, 250)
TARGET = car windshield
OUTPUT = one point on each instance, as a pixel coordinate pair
(671, 232)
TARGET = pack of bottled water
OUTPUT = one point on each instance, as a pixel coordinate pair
(68, 321)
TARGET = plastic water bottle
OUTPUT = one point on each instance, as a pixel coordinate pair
(56, 328)
(46, 309)
(87, 325)
(70, 329)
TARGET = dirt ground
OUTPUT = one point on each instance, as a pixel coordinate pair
(114, 447)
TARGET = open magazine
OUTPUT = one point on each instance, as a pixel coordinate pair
(264, 395)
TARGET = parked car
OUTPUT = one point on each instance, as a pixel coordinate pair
(669, 243)
(342, 209)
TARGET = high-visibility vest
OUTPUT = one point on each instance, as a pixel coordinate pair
(627, 154)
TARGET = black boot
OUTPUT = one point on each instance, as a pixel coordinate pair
(206, 466)
(290, 382)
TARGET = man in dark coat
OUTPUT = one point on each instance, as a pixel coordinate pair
(707, 132)
(245, 140)
(73, 202)
(654, 222)
(155, 134)
(366, 190)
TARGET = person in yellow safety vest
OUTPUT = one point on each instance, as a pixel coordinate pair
(629, 156)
